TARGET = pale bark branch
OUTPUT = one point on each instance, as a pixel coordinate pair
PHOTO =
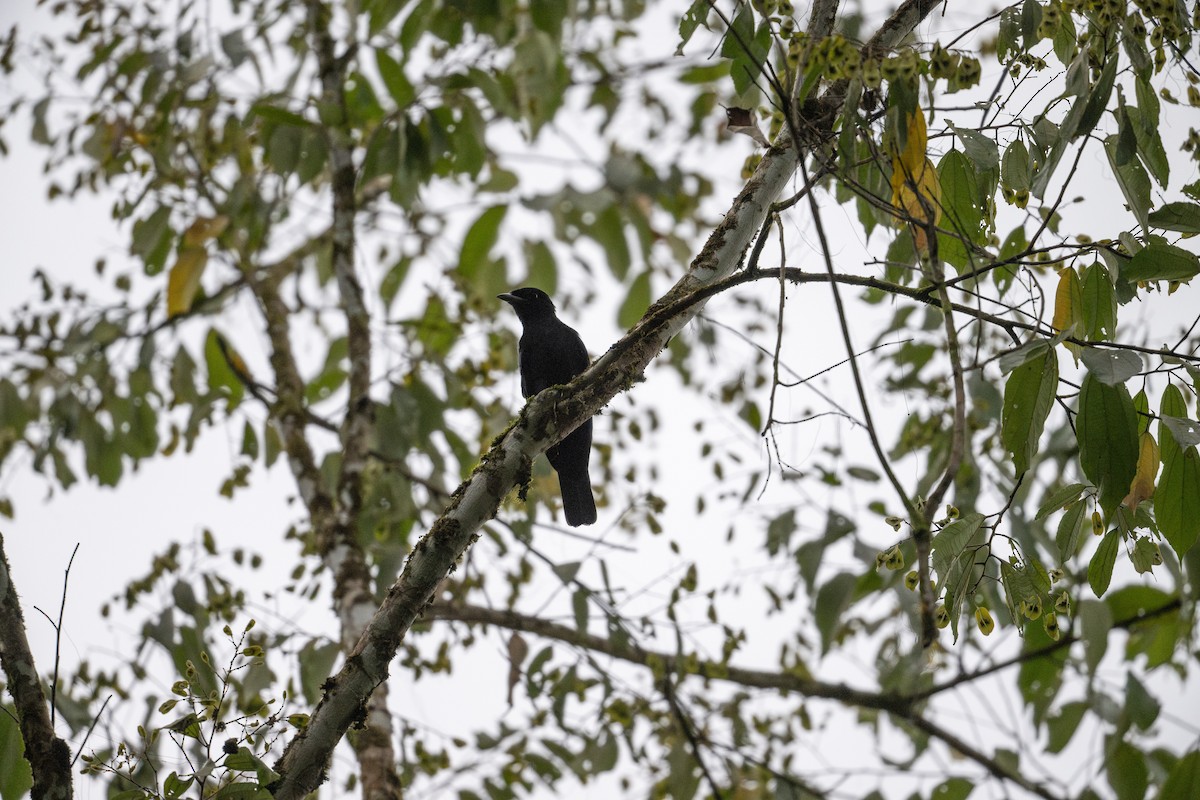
(353, 595)
(545, 420)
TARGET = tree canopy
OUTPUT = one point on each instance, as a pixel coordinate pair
(894, 393)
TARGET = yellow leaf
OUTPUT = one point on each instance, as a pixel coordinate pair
(919, 195)
(916, 190)
(1068, 305)
(203, 229)
(234, 359)
(1142, 486)
(184, 280)
(912, 155)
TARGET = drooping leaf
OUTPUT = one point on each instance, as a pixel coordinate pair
(1100, 568)
(1126, 769)
(1070, 530)
(833, 598)
(1068, 307)
(183, 280)
(961, 211)
(1028, 398)
(1142, 486)
(1107, 431)
(1062, 726)
(1099, 304)
(1015, 168)
(636, 301)
(1131, 178)
(1177, 499)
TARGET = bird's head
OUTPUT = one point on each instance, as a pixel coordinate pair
(529, 303)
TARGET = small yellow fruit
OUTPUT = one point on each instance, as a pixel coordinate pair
(1050, 623)
(983, 618)
(941, 617)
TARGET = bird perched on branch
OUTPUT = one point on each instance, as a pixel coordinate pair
(551, 353)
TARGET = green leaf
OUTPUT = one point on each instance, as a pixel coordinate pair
(1111, 367)
(283, 148)
(1142, 707)
(484, 276)
(1126, 770)
(1132, 179)
(952, 789)
(961, 211)
(981, 150)
(1015, 170)
(747, 51)
(1177, 496)
(1070, 530)
(833, 598)
(1028, 398)
(1141, 406)
(1160, 262)
(1099, 304)
(1100, 568)
(1062, 726)
(1184, 781)
(16, 776)
(542, 268)
(1149, 145)
(954, 548)
(579, 604)
(1181, 217)
(174, 786)
(693, 18)
(1095, 621)
(1033, 349)
(397, 83)
(779, 532)
(636, 301)
(609, 232)
(316, 663)
(1058, 499)
(1098, 97)
(221, 377)
(1108, 447)
(152, 239)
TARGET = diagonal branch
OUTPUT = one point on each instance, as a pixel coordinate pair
(545, 420)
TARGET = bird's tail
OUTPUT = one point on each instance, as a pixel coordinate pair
(578, 504)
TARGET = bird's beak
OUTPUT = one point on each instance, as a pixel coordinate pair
(511, 299)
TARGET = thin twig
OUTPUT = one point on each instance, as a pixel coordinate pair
(685, 725)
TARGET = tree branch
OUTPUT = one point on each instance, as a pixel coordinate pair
(635, 654)
(902, 706)
(544, 421)
(48, 756)
(979, 757)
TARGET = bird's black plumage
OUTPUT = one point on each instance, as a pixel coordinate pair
(550, 353)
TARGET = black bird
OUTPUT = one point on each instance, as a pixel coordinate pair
(551, 353)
